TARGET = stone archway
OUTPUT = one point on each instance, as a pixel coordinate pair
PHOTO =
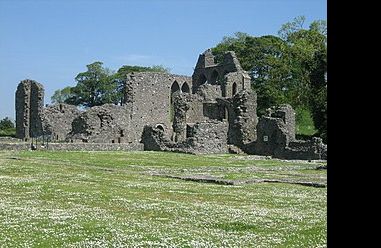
(185, 88)
(174, 88)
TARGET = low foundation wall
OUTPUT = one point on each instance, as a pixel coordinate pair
(74, 147)
(14, 146)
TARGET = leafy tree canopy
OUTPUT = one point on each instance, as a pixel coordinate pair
(6, 123)
(61, 95)
(94, 87)
(288, 68)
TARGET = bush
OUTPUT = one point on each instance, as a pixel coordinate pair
(9, 132)
(304, 123)
(6, 123)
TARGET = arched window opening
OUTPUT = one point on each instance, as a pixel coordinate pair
(175, 87)
(202, 80)
(185, 88)
(234, 91)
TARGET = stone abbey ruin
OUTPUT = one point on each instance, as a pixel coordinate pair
(214, 111)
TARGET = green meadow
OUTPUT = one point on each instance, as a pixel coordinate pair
(125, 199)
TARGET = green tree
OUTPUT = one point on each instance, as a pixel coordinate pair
(303, 45)
(318, 99)
(96, 86)
(6, 123)
(309, 50)
(288, 68)
(61, 95)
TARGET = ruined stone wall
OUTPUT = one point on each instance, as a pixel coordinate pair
(208, 137)
(235, 82)
(287, 114)
(214, 111)
(195, 112)
(193, 108)
(271, 136)
(180, 108)
(102, 124)
(148, 97)
(223, 75)
(209, 92)
(74, 147)
(242, 117)
(36, 109)
(95, 147)
(154, 139)
(29, 108)
(276, 137)
(14, 146)
(305, 149)
(57, 120)
(23, 110)
(204, 138)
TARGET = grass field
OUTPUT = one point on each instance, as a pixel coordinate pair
(116, 199)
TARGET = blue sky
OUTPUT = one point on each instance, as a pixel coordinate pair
(52, 41)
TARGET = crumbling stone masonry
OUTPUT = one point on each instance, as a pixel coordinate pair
(214, 111)
(276, 137)
(148, 100)
(57, 120)
(29, 107)
(101, 124)
(222, 97)
(202, 138)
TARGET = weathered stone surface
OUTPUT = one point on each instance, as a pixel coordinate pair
(202, 138)
(29, 107)
(57, 120)
(243, 118)
(148, 98)
(276, 137)
(228, 77)
(73, 147)
(287, 114)
(102, 124)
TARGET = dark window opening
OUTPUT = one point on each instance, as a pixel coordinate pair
(185, 88)
(223, 89)
(234, 91)
(175, 87)
(214, 79)
(201, 80)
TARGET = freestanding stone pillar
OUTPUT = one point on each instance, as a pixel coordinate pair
(29, 107)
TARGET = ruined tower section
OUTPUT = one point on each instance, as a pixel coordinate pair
(224, 79)
(22, 110)
(243, 118)
(29, 108)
